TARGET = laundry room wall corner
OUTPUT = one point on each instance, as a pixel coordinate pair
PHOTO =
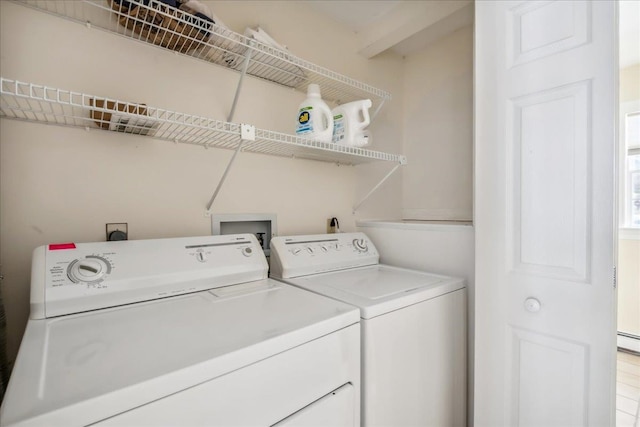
(438, 129)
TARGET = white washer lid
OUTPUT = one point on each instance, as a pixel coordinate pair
(379, 289)
(89, 366)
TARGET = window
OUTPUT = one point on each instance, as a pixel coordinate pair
(632, 169)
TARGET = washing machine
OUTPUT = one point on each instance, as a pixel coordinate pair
(184, 331)
(413, 326)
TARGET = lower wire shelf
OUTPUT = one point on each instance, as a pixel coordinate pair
(37, 103)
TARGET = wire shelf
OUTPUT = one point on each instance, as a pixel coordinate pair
(36, 103)
(152, 21)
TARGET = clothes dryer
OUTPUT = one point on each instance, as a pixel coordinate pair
(186, 331)
(413, 326)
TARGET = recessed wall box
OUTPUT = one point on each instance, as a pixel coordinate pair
(264, 226)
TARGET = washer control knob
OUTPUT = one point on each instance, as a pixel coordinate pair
(90, 269)
(360, 245)
(295, 251)
(309, 249)
(324, 248)
(201, 256)
(247, 251)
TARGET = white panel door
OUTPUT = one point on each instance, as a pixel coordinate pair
(545, 93)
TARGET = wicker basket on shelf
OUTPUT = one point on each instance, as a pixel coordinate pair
(162, 23)
(122, 117)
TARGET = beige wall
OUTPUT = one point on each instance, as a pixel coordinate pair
(629, 286)
(630, 83)
(438, 126)
(63, 184)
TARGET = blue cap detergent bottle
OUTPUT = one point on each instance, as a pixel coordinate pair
(315, 120)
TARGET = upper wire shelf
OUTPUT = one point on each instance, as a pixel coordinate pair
(36, 103)
(152, 21)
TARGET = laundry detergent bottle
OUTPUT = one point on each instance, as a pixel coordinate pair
(315, 120)
(349, 123)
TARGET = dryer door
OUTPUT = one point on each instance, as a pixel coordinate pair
(334, 409)
(268, 391)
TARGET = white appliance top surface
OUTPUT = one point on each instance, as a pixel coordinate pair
(381, 282)
(345, 266)
(379, 289)
(96, 364)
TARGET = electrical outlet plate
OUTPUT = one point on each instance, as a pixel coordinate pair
(117, 226)
(330, 229)
(333, 228)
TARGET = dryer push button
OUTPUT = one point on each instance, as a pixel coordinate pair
(247, 251)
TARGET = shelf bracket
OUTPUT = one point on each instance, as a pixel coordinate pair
(245, 67)
(247, 133)
(373, 190)
(378, 108)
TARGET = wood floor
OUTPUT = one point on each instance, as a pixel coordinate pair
(628, 390)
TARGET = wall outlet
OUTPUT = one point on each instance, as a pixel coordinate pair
(333, 225)
(117, 231)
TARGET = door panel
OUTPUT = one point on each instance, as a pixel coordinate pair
(549, 141)
(560, 399)
(566, 25)
(544, 212)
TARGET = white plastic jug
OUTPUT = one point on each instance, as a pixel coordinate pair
(315, 120)
(349, 123)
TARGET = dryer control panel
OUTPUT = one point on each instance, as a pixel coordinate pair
(297, 256)
(74, 277)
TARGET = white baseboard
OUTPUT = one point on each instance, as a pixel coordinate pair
(629, 234)
(629, 343)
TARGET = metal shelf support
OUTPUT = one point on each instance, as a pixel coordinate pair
(403, 161)
(375, 113)
(245, 67)
(247, 133)
(244, 132)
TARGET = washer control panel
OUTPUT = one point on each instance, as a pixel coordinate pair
(69, 278)
(302, 255)
(90, 269)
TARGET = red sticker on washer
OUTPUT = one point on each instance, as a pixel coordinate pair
(59, 246)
